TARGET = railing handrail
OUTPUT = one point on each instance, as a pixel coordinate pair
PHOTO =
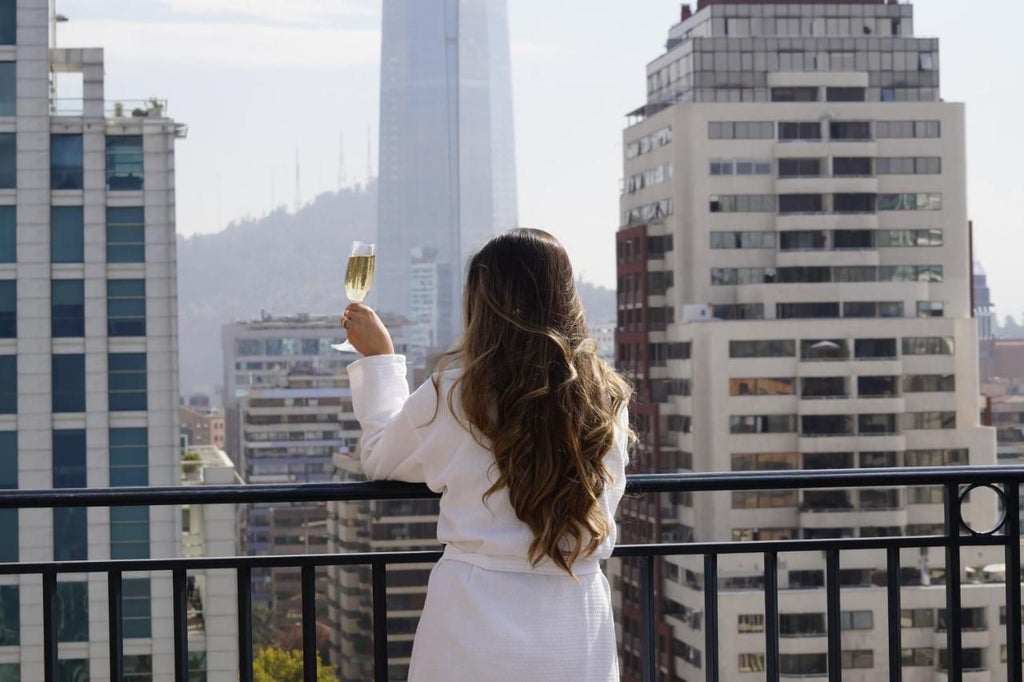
(396, 490)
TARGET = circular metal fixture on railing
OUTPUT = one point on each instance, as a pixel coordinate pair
(960, 512)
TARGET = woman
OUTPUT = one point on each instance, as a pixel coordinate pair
(523, 432)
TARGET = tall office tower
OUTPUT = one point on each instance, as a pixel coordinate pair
(794, 293)
(88, 347)
(447, 157)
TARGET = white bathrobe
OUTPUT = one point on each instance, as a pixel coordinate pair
(489, 615)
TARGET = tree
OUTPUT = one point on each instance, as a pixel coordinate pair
(274, 664)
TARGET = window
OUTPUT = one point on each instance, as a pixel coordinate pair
(739, 167)
(784, 311)
(763, 499)
(72, 614)
(8, 309)
(858, 658)
(807, 130)
(930, 308)
(801, 203)
(8, 161)
(742, 203)
(803, 664)
(136, 608)
(8, 86)
(124, 162)
(824, 349)
(929, 420)
(750, 663)
(68, 383)
(853, 203)
(935, 458)
(126, 307)
(971, 619)
(823, 387)
(877, 424)
(66, 161)
(874, 349)
(9, 481)
(917, 618)
(777, 386)
(750, 622)
(772, 423)
(877, 386)
(909, 165)
(762, 349)
(806, 240)
(67, 308)
(752, 534)
(66, 234)
(741, 130)
(873, 309)
(138, 668)
(844, 94)
(197, 666)
(805, 275)
(902, 238)
(129, 466)
(826, 425)
(799, 168)
(8, 24)
(127, 381)
(738, 311)
(10, 617)
(126, 235)
(72, 669)
(929, 383)
(764, 461)
(850, 130)
(932, 494)
(69, 523)
(854, 239)
(801, 624)
(8, 234)
(917, 656)
(906, 129)
(920, 201)
(852, 166)
(928, 345)
(827, 460)
(795, 94)
(742, 240)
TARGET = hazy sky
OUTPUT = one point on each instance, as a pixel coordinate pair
(260, 82)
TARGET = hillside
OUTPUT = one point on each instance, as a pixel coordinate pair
(282, 263)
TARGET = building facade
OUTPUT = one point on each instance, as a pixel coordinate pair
(88, 348)
(447, 155)
(794, 293)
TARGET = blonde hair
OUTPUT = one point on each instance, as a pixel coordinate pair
(534, 387)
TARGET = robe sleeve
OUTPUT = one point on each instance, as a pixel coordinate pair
(391, 446)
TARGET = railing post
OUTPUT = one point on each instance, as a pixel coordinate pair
(711, 618)
(380, 622)
(832, 611)
(954, 662)
(244, 583)
(115, 612)
(771, 616)
(180, 609)
(50, 626)
(894, 603)
(309, 653)
(648, 642)
(1013, 605)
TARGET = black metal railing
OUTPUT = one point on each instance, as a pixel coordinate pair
(1005, 482)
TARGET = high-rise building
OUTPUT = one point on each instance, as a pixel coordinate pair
(88, 348)
(794, 293)
(447, 157)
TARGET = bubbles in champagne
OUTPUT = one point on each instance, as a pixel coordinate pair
(358, 277)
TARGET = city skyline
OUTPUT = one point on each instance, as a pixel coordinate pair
(569, 58)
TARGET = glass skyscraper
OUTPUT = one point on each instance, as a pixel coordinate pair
(447, 157)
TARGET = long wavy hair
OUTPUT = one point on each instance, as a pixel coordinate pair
(534, 387)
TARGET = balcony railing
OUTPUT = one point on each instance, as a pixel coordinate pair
(957, 482)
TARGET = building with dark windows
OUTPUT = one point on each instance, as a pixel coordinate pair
(793, 293)
(88, 354)
(447, 157)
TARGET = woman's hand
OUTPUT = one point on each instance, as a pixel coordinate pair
(365, 330)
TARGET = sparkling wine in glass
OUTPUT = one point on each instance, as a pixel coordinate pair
(358, 278)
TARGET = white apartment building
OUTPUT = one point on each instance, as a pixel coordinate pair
(88, 348)
(794, 293)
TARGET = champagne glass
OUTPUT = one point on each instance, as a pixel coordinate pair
(358, 278)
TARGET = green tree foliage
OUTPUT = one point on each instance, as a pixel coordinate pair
(274, 664)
